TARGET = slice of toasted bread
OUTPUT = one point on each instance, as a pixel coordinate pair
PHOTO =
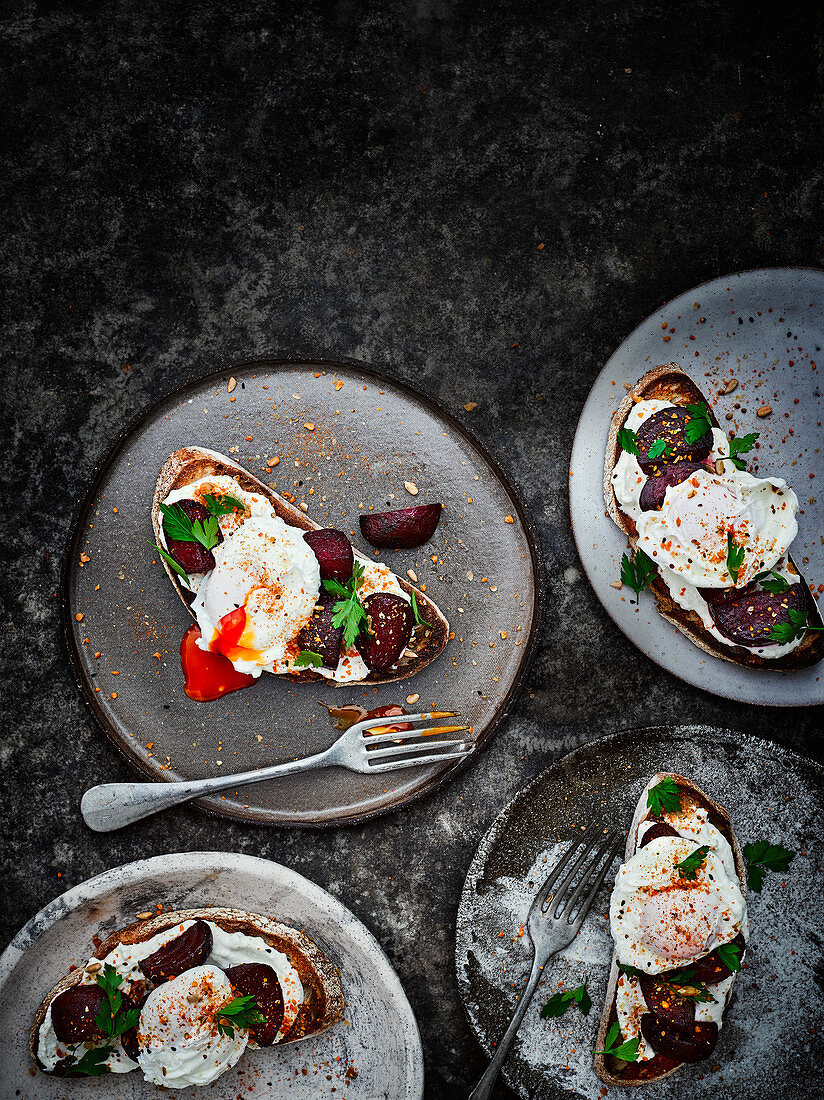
(323, 994)
(669, 383)
(189, 464)
(612, 1071)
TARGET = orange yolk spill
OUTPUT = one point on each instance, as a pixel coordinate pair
(208, 675)
(227, 637)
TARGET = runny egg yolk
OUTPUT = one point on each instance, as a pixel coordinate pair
(679, 920)
(229, 636)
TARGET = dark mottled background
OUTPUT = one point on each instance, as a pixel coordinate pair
(190, 183)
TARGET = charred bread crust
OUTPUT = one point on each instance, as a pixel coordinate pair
(669, 383)
(631, 1074)
(189, 464)
(323, 994)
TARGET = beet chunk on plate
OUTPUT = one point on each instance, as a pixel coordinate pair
(74, 1011)
(260, 981)
(321, 636)
(192, 556)
(334, 553)
(671, 426)
(666, 1004)
(655, 488)
(693, 1044)
(403, 528)
(191, 948)
(749, 620)
(659, 829)
(711, 969)
(388, 628)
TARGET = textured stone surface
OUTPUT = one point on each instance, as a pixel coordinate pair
(188, 186)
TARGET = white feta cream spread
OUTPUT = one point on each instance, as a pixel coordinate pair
(683, 538)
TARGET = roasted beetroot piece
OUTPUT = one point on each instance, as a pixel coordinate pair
(710, 969)
(749, 620)
(402, 529)
(726, 595)
(666, 1004)
(693, 1045)
(74, 1011)
(191, 948)
(661, 829)
(194, 557)
(655, 488)
(321, 636)
(261, 982)
(671, 426)
(334, 553)
(388, 628)
(128, 1039)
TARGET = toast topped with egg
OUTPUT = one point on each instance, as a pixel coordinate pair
(273, 591)
(678, 916)
(182, 995)
(707, 537)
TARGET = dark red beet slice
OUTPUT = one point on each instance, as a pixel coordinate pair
(194, 557)
(661, 829)
(321, 635)
(334, 553)
(190, 948)
(403, 528)
(692, 1045)
(711, 969)
(726, 595)
(671, 426)
(261, 982)
(655, 488)
(388, 628)
(664, 1003)
(128, 1039)
(74, 1011)
(749, 620)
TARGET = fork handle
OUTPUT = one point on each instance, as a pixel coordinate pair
(112, 805)
(483, 1089)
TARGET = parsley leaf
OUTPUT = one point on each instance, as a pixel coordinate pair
(349, 612)
(783, 633)
(626, 1052)
(172, 563)
(775, 586)
(224, 505)
(560, 1002)
(308, 657)
(92, 1064)
(699, 423)
(178, 526)
(664, 797)
(685, 979)
(730, 955)
(242, 1012)
(763, 856)
(417, 614)
(631, 971)
(735, 558)
(658, 448)
(111, 1019)
(628, 441)
(740, 446)
(688, 868)
(638, 573)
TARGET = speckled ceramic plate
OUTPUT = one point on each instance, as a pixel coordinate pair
(370, 436)
(377, 1037)
(767, 1040)
(766, 329)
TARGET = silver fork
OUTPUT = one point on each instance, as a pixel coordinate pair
(113, 805)
(552, 924)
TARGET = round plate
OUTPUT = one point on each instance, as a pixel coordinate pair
(770, 794)
(765, 329)
(377, 1037)
(370, 436)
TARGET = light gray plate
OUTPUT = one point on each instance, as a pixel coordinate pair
(377, 1036)
(765, 328)
(775, 1021)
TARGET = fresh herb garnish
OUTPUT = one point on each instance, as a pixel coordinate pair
(180, 527)
(730, 955)
(631, 971)
(419, 621)
(223, 506)
(559, 1002)
(664, 797)
(739, 446)
(784, 633)
(172, 563)
(762, 857)
(637, 574)
(660, 447)
(628, 441)
(113, 1019)
(627, 1052)
(775, 586)
(308, 657)
(699, 423)
(688, 868)
(735, 558)
(242, 1012)
(686, 979)
(92, 1064)
(348, 612)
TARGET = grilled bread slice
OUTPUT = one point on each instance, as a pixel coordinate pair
(669, 383)
(323, 993)
(190, 464)
(611, 1070)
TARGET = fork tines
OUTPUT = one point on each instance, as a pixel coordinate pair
(589, 872)
(391, 749)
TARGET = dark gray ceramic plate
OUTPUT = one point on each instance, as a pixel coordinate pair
(378, 1035)
(777, 1015)
(376, 434)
